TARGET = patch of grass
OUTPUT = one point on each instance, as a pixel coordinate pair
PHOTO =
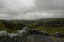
(61, 30)
(13, 31)
(41, 28)
(51, 30)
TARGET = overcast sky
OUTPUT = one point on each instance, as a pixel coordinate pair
(31, 9)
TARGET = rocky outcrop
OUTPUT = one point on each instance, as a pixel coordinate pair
(24, 35)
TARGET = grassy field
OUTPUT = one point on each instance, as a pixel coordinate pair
(61, 30)
(51, 30)
(41, 28)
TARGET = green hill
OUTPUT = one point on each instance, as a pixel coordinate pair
(2, 26)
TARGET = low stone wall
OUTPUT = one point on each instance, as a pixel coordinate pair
(23, 34)
(20, 36)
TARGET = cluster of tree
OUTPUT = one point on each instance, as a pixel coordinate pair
(47, 23)
(13, 26)
(35, 23)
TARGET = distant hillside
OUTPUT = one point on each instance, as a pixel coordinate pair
(50, 25)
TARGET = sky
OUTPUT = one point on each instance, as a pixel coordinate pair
(31, 9)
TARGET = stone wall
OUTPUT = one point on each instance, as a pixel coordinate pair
(36, 32)
(22, 35)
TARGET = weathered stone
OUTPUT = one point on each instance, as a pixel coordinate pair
(58, 34)
(3, 33)
(47, 34)
(11, 35)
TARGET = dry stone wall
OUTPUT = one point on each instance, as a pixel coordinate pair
(22, 35)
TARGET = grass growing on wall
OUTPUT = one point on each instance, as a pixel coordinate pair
(14, 31)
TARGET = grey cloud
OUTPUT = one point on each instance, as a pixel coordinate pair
(50, 4)
(12, 8)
